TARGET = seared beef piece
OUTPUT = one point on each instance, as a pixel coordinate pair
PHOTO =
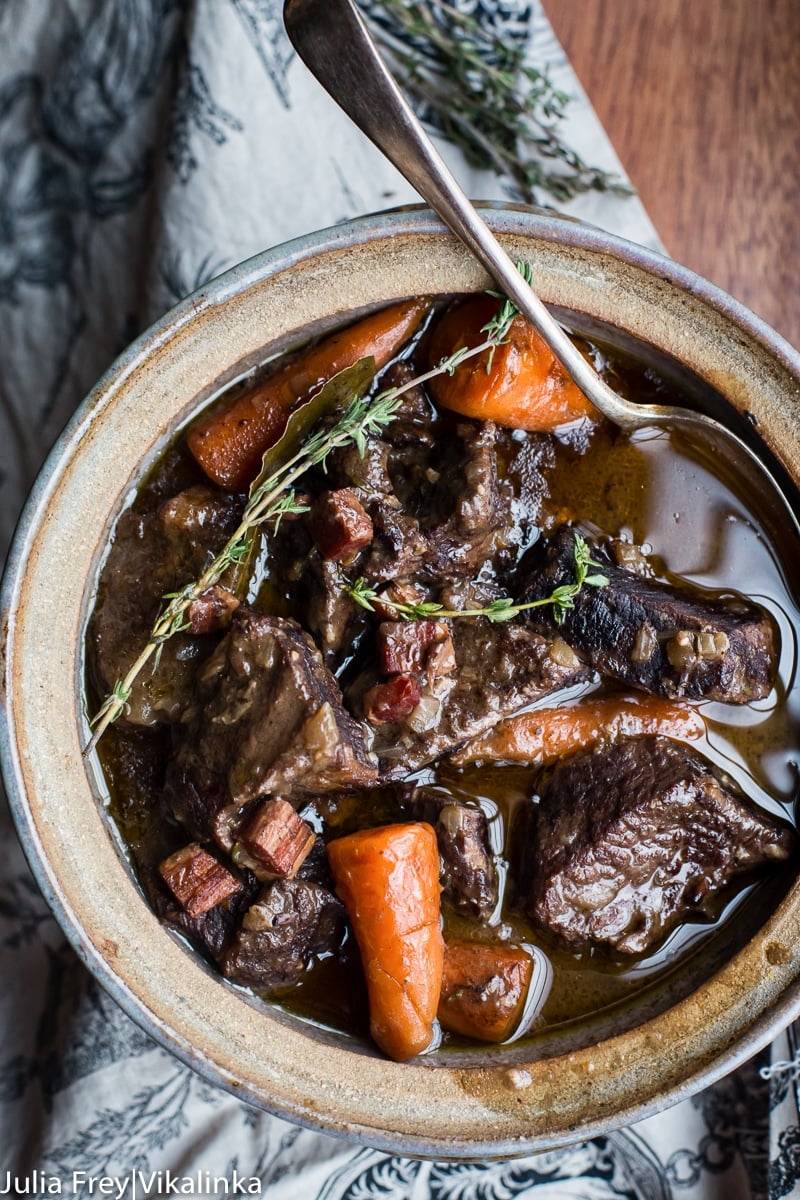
(438, 507)
(411, 425)
(269, 719)
(669, 641)
(499, 669)
(477, 503)
(453, 512)
(469, 874)
(339, 525)
(399, 547)
(630, 840)
(210, 932)
(198, 800)
(367, 472)
(189, 515)
(332, 617)
(292, 922)
(153, 554)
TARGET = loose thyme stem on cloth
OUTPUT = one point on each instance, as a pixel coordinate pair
(477, 89)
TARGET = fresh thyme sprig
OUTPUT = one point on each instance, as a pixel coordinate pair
(503, 609)
(271, 500)
(475, 87)
(503, 319)
(172, 618)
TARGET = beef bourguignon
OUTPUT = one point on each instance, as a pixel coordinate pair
(451, 694)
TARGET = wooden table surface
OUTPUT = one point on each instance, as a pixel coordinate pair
(701, 99)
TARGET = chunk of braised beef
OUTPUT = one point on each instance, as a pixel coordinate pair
(438, 506)
(211, 931)
(411, 425)
(198, 799)
(368, 472)
(468, 869)
(339, 525)
(630, 840)
(268, 720)
(332, 616)
(292, 922)
(212, 610)
(500, 668)
(478, 504)
(197, 514)
(399, 547)
(153, 554)
(671, 641)
(392, 700)
(278, 838)
(197, 880)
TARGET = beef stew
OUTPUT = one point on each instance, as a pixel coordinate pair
(439, 580)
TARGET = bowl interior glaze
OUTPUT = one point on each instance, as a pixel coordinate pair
(492, 1104)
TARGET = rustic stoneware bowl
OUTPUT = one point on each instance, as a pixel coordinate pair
(502, 1102)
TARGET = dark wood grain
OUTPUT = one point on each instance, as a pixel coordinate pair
(701, 99)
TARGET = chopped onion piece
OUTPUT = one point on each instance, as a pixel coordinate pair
(425, 715)
(563, 654)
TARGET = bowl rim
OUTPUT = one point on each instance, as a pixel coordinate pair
(418, 220)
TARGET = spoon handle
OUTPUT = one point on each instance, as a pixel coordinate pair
(332, 40)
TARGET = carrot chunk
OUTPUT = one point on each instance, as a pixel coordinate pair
(484, 989)
(550, 733)
(525, 388)
(388, 880)
(230, 441)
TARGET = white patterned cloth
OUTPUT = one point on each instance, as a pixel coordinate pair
(145, 145)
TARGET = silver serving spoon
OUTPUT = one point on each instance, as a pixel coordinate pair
(335, 44)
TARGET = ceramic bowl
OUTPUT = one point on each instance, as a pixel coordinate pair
(490, 1103)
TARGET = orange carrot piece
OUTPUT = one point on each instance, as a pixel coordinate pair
(550, 733)
(230, 441)
(484, 989)
(526, 386)
(388, 880)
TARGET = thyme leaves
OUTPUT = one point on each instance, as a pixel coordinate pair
(504, 608)
(272, 498)
(473, 84)
(273, 494)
